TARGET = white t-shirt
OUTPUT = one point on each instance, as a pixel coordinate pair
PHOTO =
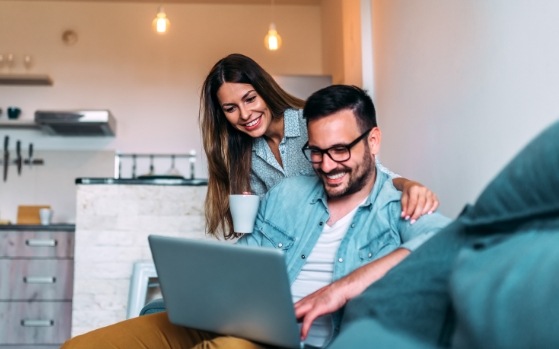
(317, 273)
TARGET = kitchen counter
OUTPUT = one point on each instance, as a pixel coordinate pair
(38, 227)
(145, 181)
(113, 222)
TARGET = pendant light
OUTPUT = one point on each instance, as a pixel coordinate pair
(272, 40)
(161, 22)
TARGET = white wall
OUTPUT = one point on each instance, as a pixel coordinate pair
(151, 83)
(461, 86)
(53, 183)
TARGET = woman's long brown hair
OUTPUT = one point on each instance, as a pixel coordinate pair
(229, 150)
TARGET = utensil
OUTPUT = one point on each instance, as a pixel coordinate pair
(192, 162)
(6, 157)
(134, 166)
(19, 160)
(173, 171)
(30, 160)
(151, 167)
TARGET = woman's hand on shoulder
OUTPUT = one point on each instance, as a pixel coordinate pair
(417, 200)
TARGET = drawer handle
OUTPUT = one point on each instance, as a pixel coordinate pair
(37, 323)
(41, 242)
(39, 279)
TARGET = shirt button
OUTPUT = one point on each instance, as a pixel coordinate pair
(280, 245)
(340, 260)
(303, 256)
(321, 223)
(353, 225)
(370, 255)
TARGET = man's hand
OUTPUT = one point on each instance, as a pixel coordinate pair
(323, 301)
(334, 296)
(417, 199)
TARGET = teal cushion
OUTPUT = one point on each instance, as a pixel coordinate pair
(368, 333)
(504, 289)
(528, 187)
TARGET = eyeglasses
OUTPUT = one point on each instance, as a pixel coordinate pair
(338, 153)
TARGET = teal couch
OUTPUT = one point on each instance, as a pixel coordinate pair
(488, 280)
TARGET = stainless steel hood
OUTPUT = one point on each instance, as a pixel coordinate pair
(76, 122)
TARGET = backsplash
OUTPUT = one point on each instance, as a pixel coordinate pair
(52, 183)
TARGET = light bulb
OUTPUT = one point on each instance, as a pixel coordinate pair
(272, 41)
(161, 22)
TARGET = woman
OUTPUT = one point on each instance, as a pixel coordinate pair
(253, 132)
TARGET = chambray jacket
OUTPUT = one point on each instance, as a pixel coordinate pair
(266, 171)
(292, 214)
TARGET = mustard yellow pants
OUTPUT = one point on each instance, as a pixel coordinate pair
(154, 331)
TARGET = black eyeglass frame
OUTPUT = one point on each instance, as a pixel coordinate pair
(347, 147)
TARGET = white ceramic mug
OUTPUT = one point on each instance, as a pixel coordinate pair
(46, 215)
(244, 208)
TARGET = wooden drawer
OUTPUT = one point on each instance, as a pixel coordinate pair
(36, 279)
(37, 244)
(35, 322)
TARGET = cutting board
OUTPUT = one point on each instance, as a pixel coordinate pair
(28, 214)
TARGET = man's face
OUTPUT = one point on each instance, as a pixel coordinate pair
(358, 172)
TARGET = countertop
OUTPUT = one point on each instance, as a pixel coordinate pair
(35, 227)
(144, 181)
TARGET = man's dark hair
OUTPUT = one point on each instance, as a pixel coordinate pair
(335, 98)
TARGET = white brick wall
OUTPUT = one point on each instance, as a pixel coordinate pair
(112, 225)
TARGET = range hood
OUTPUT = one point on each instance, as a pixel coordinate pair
(76, 122)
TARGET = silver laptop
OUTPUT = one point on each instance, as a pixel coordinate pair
(227, 289)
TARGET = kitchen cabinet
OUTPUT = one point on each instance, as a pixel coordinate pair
(36, 281)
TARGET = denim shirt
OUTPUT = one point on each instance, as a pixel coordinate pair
(292, 215)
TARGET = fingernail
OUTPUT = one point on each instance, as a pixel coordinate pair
(412, 221)
(430, 212)
(403, 214)
(407, 218)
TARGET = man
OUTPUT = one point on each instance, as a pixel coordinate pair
(340, 230)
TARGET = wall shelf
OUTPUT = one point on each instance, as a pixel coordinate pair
(18, 124)
(25, 79)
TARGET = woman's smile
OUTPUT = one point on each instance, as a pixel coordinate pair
(253, 124)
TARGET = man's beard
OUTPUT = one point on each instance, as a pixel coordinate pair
(358, 177)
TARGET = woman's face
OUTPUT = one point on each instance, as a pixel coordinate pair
(244, 108)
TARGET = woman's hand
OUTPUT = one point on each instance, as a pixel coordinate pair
(417, 199)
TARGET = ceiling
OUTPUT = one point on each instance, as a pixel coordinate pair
(238, 2)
